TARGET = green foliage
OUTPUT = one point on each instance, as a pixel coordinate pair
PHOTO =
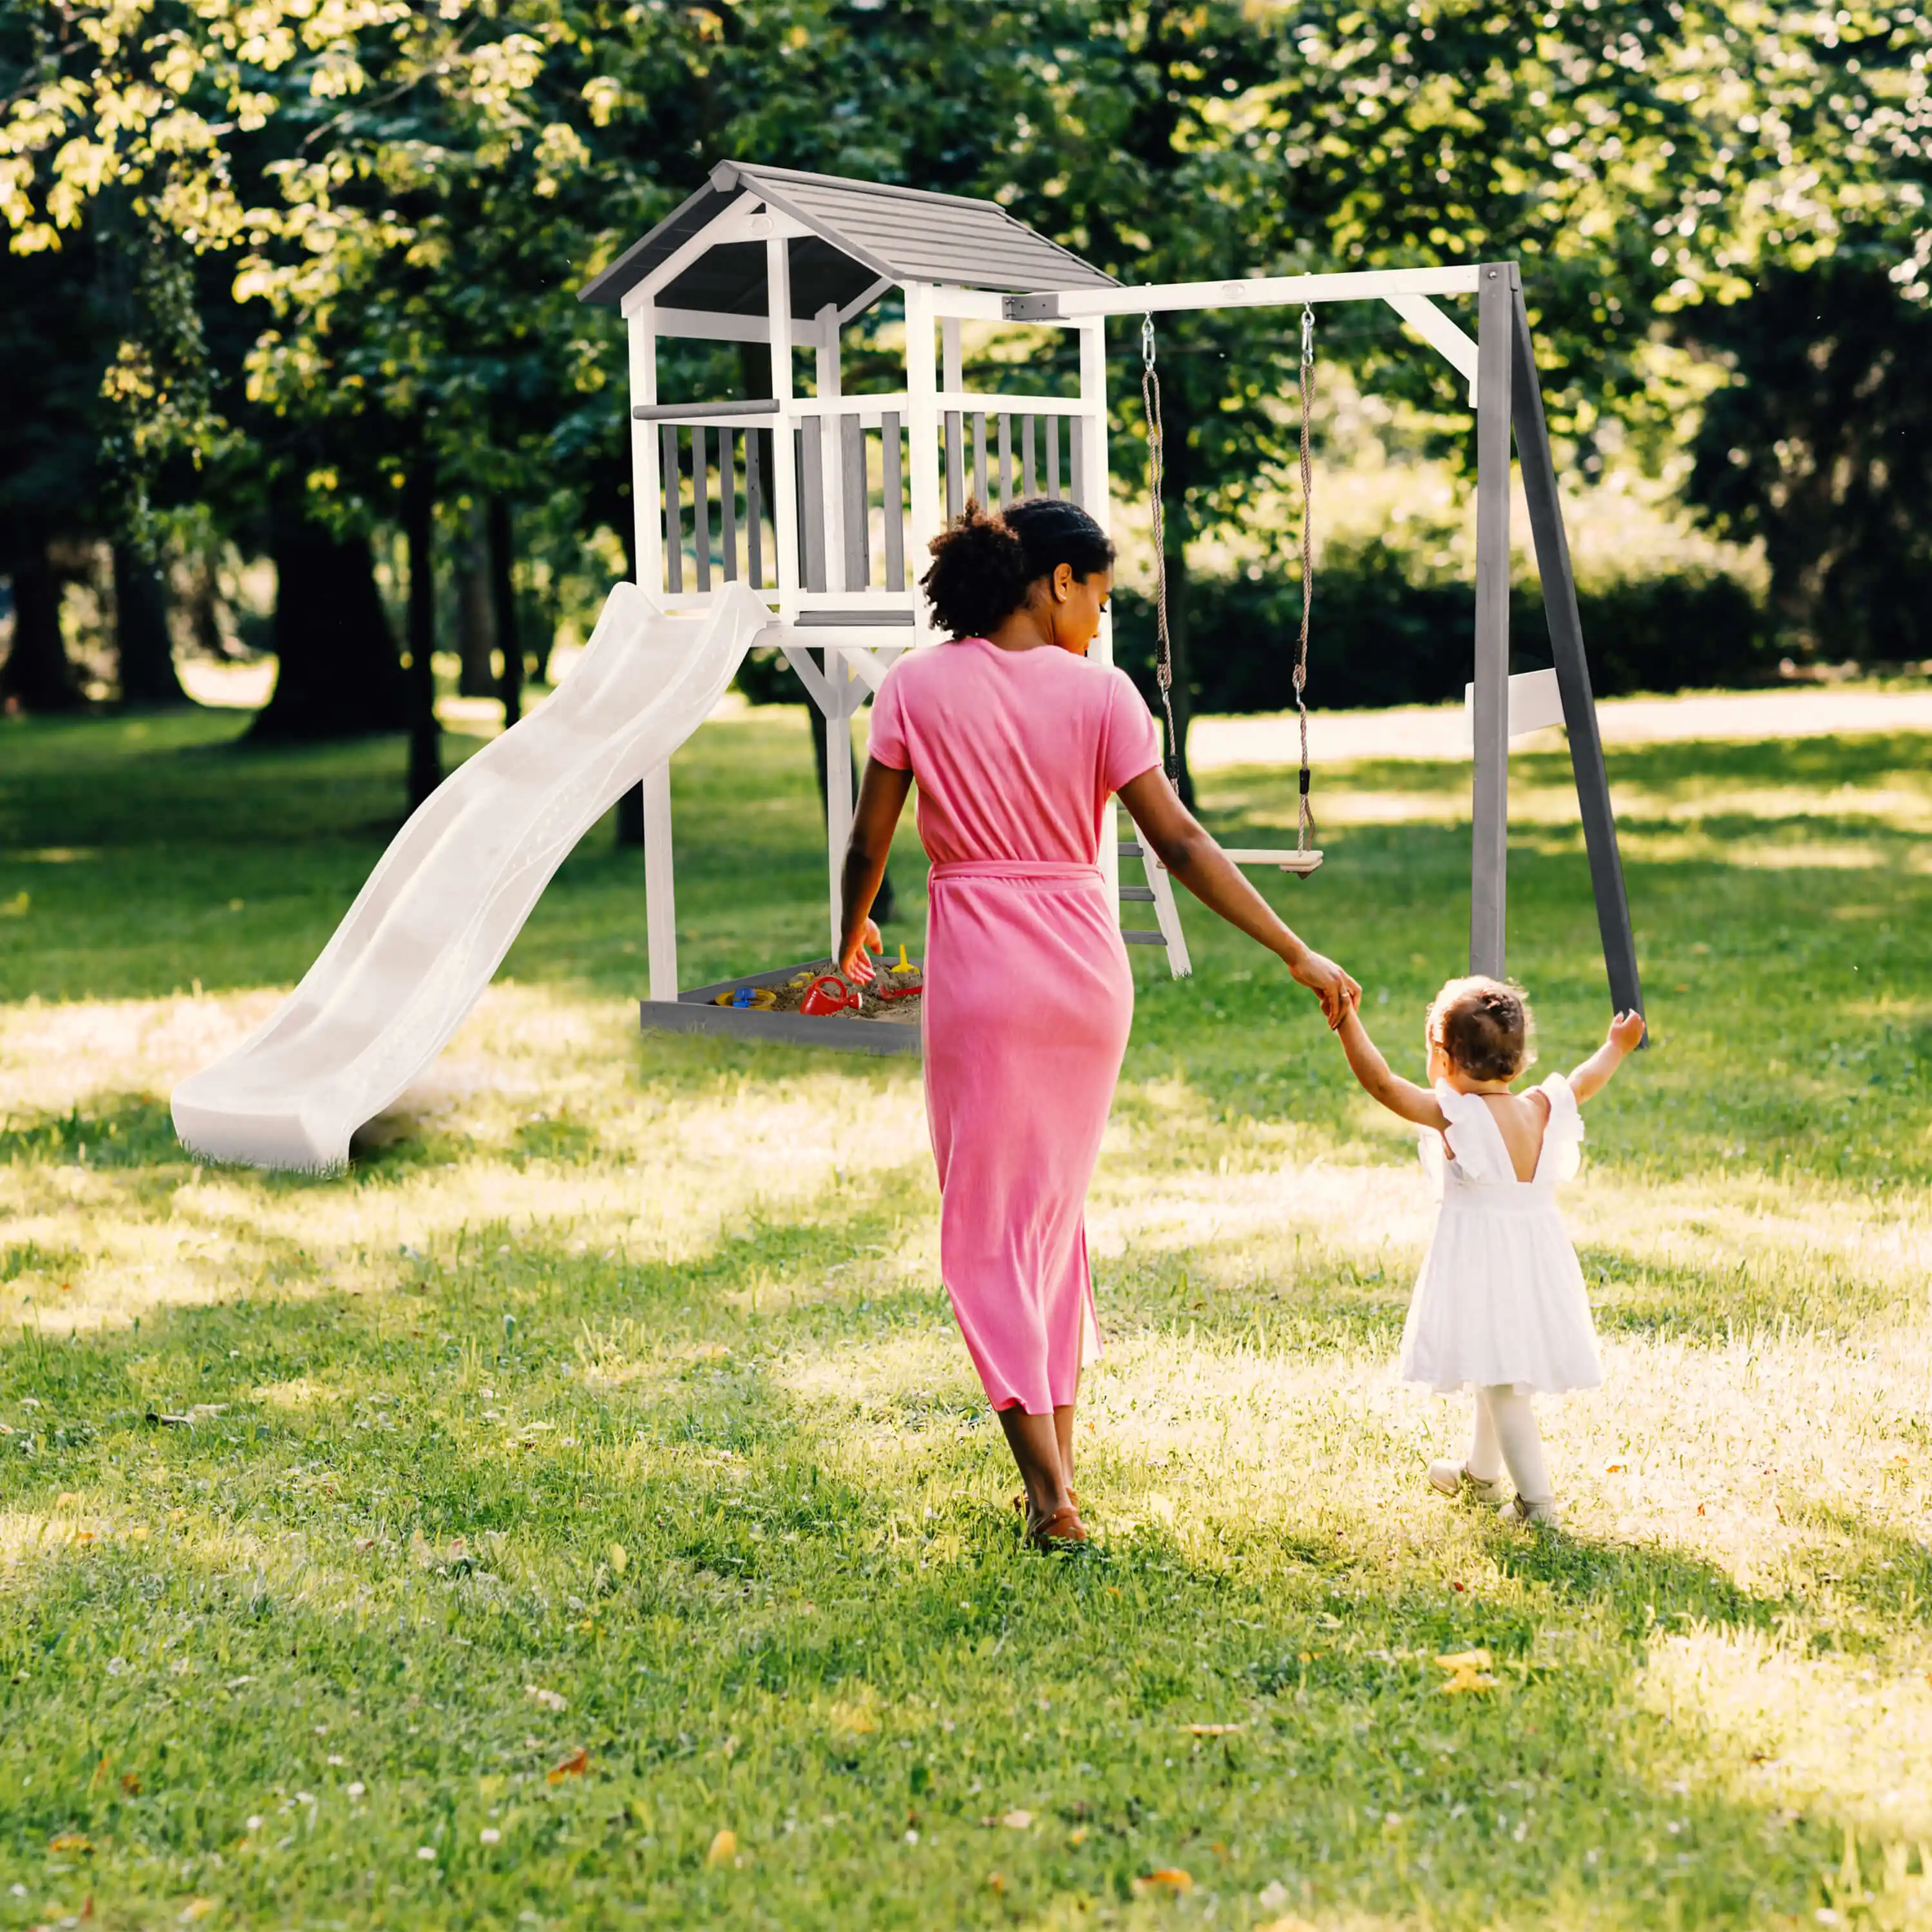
(1820, 447)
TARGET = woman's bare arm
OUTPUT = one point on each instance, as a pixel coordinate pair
(1400, 1097)
(1188, 850)
(882, 797)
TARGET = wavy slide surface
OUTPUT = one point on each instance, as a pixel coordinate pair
(438, 914)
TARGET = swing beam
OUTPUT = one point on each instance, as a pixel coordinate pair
(1500, 364)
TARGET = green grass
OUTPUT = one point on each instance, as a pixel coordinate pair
(616, 1370)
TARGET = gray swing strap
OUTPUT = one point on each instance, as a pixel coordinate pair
(1163, 653)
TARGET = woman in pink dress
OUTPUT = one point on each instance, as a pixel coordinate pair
(1016, 741)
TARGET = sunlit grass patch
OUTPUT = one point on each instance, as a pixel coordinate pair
(593, 1478)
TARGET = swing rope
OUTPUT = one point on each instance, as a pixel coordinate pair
(1163, 655)
(1304, 378)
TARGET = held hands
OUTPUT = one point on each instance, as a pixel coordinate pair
(855, 966)
(1337, 990)
(1626, 1033)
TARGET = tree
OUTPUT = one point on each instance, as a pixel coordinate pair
(1820, 447)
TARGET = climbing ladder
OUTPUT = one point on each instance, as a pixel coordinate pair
(1159, 893)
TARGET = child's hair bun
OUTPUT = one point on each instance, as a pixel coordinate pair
(1484, 1026)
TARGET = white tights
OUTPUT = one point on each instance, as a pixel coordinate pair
(1506, 1434)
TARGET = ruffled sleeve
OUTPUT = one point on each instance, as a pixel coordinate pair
(1563, 1138)
(1475, 1141)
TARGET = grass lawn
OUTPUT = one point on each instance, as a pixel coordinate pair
(584, 1514)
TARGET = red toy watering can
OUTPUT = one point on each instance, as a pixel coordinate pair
(828, 995)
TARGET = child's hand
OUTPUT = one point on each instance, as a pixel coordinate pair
(1626, 1033)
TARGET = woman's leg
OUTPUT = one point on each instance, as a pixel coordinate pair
(1513, 1416)
(1063, 1431)
(1035, 1442)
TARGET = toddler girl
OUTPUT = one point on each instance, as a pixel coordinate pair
(1499, 1306)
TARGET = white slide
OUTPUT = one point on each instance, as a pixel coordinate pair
(433, 923)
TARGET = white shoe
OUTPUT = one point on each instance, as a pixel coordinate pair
(1451, 1479)
(1537, 1516)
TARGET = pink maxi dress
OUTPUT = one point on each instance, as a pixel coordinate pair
(1028, 994)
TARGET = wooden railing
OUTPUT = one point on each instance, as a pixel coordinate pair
(851, 461)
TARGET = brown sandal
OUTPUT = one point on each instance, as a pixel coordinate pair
(1062, 1528)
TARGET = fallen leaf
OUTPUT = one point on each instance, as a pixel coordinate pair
(1017, 1821)
(575, 1766)
(130, 1785)
(197, 1908)
(724, 1849)
(551, 1700)
(619, 1559)
(1169, 1878)
(1216, 1730)
(70, 1841)
(1077, 1836)
(995, 1882)
(1469, 1670)
(66, 1499)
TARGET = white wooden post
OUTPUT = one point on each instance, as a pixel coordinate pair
(952, 380)
(845, 689)
(647, 481)
(832, 446)
(784, 482)
(922, 443)
(660, 894)
(1092, 488)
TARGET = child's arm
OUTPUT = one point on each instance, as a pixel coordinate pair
(1594, 1076)
(1400, 1097)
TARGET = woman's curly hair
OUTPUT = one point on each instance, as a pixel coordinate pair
(1484, 1026)
(984, 567)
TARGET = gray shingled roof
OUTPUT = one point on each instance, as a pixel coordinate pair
(863, 233)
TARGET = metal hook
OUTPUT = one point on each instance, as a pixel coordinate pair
(1147, 342)
(1307, 334)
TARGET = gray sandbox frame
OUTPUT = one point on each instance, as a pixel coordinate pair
(697, 1012)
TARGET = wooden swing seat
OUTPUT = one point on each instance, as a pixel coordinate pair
(1290, 861)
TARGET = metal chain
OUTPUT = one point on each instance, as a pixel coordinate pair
(1305, 383)
(1163, 655)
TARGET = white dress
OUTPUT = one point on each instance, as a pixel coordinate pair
(1501, 1297)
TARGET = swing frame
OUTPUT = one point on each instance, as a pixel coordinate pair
(1500, 365)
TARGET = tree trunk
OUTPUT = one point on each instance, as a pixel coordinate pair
(142, 641)
(503, 552)
(37, 674)
(425, 735)
(338, 673)
(475, 617)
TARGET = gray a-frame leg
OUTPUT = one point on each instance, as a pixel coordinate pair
(1572, 669)
(1488, 858)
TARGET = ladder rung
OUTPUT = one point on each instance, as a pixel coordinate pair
(1134, 938)
(1129, 850)
(1143, 893)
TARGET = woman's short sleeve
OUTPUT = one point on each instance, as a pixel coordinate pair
(1133, 745)
(885, 737)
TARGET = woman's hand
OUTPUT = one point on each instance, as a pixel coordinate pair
(1337, 990)
(855, 966)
